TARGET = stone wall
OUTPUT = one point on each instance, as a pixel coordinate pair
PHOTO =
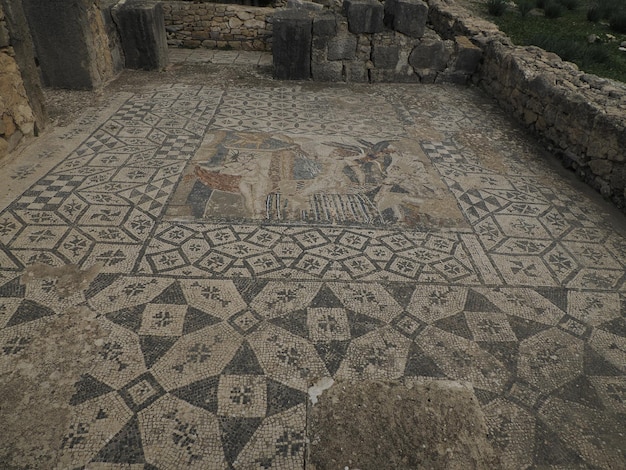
(214, 25)
(397, 47)
(581, 117)
(21, 101)
(368, 41)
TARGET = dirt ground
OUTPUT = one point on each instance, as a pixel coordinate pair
(431, 424)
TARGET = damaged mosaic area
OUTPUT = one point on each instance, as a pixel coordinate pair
(231, 246)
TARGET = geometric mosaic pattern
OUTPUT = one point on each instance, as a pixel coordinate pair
(215, 331)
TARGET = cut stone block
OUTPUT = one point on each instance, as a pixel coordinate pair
(4, 36)
(142, 29)
(342, 47)
(385, 57)
(467, 55)
(291, 48)
(325, 24)
(68, 41)
(429, 54)
(404, 74)
(327, 71)
(364, 16)
(406, 16)
(356, 72)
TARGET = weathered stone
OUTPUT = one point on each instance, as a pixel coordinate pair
(468, 55)
(429, 54)
(342, 48)
(601, 168)
(356, 72)
(458, 78)
(364, 16)
(325, 24)
(406, 16)
(320, 43)
(192, 43)
(8, 125)
(142, 28)
(385, 57)
(24, 54)
(4, 35)
(327, 71)
(304, 5)
(71, 43)
(291, 49)
(115, 42)
(427, 75)
(4, 147)
(14, 140)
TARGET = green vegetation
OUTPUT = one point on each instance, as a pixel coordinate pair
(552, 10)
(524, 7)
(496, 7)
(586, 32)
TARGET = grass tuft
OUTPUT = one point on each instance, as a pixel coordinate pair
(496, 7)
(570, 4)
(524, 7)
(618, 22)
(552, 10)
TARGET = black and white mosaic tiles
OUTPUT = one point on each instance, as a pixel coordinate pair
(213, 330)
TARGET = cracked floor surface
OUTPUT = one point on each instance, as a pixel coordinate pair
(182, 261)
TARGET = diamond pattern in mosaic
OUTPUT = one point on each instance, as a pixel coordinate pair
(211, 333)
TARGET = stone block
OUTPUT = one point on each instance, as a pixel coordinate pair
(406, 16)
(291, 47)
(324, 24)
(4, 147)
(327, 71)
(468, 55)
(320, 43)
(342, 48)
(356, 72)
(364, 16)
(458, 78)
(4, 35)
(385, 57)
(426, 75)
(430, 54)
(68, 40)
(601, 168)
(304, 5)
(142, 29)
(404, 74)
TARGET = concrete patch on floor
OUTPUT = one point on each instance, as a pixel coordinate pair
(68, 280)
(433, 424)
(47, 357)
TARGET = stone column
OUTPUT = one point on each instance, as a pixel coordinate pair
(291, 47)
(71, 42)
(141, 24)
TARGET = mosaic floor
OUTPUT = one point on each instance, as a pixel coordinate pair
(234, 244)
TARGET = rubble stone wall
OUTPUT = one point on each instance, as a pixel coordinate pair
(350, 46)
(581, 116)
(214, 25)
(20, 114)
